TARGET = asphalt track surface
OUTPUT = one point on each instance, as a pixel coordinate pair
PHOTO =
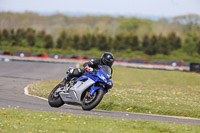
(15, 76)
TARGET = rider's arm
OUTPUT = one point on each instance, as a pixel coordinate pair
(111, 71)
(92, 63)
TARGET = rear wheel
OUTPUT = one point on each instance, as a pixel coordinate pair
(54, 97)
(90, 102)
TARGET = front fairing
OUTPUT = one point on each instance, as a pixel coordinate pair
(103, 75)
(99, 76)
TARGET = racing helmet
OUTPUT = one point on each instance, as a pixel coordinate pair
(107, 59)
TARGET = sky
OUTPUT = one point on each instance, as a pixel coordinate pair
(162, 8)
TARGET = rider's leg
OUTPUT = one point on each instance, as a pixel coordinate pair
(63, 82)
(68, 77)
(72, 72)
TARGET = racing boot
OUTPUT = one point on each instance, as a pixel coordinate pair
(63, 82)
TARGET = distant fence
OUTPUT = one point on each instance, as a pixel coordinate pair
(81, 61)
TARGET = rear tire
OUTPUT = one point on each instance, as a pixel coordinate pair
(91, 102)
(55, 101)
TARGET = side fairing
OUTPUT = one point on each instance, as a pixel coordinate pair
(80, 87)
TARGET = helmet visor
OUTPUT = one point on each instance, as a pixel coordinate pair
(108, 62)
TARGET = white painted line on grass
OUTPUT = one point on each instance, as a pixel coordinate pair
(177, 117)
(27, 93)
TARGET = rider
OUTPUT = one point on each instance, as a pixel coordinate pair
(106, 59)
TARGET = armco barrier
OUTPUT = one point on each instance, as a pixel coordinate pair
(81, 61)
(158, 67)
(40, 59)
(195, 67)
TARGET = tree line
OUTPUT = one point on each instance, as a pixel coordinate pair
(54, 23)
(150, 44)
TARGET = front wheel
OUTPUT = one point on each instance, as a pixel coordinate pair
(90, 102)
(54, 97)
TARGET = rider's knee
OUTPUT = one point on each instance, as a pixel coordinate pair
(77, 72)
(74, 72)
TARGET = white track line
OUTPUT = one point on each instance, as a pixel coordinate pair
(179, 117)
(27, 93)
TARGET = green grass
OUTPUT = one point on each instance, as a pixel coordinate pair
(145, 91)
(20, 121)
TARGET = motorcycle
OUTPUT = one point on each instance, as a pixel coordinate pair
(86, 90)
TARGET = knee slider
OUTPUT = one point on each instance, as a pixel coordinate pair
(70, 72)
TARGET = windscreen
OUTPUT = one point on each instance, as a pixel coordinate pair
(106, 69)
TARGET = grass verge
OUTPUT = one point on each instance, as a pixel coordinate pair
(145, 91)
(20, 121)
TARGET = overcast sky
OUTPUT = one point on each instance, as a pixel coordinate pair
(121, 7)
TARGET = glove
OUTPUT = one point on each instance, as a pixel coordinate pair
(88, 69)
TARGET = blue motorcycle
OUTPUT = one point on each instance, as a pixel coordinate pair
(86, 90)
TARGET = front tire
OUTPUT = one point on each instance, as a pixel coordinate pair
(90, 102)
(54, 98)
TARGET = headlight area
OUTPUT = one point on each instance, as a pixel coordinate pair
(102, 77)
